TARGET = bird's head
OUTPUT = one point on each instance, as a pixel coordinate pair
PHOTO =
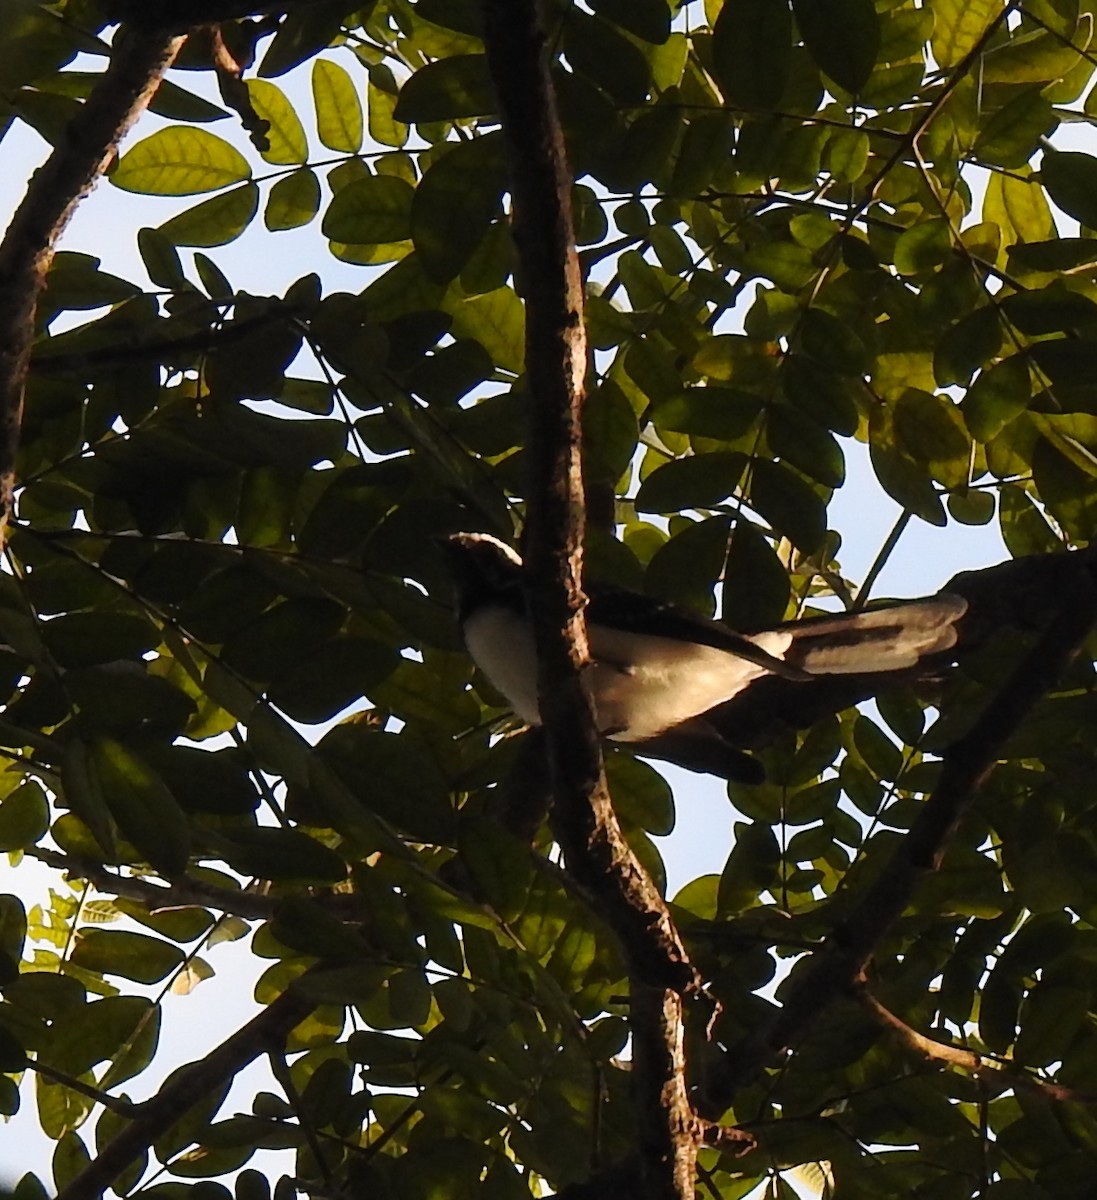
(482, 567)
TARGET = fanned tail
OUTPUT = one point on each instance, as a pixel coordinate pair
(895, 638)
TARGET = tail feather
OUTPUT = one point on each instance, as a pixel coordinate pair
(881, 639)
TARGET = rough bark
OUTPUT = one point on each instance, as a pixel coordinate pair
(583, 819)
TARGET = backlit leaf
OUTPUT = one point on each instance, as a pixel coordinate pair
(338, 107)
(214, 222)
(286, 134)
(370, 210)
(180, 161)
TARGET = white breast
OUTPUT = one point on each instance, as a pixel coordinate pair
(501, 645)
(640, 685)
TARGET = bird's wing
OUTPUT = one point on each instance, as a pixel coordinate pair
(632, 612)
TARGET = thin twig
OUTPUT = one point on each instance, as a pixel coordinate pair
(990, 1071)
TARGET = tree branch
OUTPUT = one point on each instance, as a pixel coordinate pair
(584, 823)
(996, 1075)
(185, 1088)
(183, 893)
(834, 969)
(116, 1104)
(137, 65)
(162, 350)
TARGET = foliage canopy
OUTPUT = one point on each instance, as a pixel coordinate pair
(803, 224)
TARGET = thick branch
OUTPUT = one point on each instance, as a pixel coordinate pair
(137, 64)
(967, 765)
(269, 1029)
(583, 819)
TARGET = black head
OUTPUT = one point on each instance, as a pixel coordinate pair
(483, 570)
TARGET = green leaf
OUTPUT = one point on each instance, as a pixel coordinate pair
(214, 222)
(282, 854)
(1061, 254)
(382, 94)
(174, 103)
(648, 19)
(13, 1058)
(967, 346)
(832, 342)
(932, 431)
(496, 320)
(609, 433)
(699, 481)
(82, 639)
(1053, 309)
(803, 442)
(686, 566)
(13, 931)
(1066, 489)
(750, 868)
(24, 816)
(1071, 181)
(370, 211)
(752, 51)
(124, 1029)
(958, 27)
(134, 956)
(711, 412)
(286, 135)
(923, 247)
(641, 796)
(756, 585)
(899, 475)
(842, 36)
(601, 53)
(332, 678)
(1012, 134)
(1073, 434)
(338, 107)
(287, 633)
(1038, 56)
(1000, 394)
(447, 90)
(499, 864)
(301, 34)
(820, 393)
(973, 506)
(788, 504)
(213, 278)
(847, 154)
(139, 800)
(180, 161)
(456, 201)
(293, 201)
(161, 259)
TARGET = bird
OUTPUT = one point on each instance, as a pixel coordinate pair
(672, 685)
